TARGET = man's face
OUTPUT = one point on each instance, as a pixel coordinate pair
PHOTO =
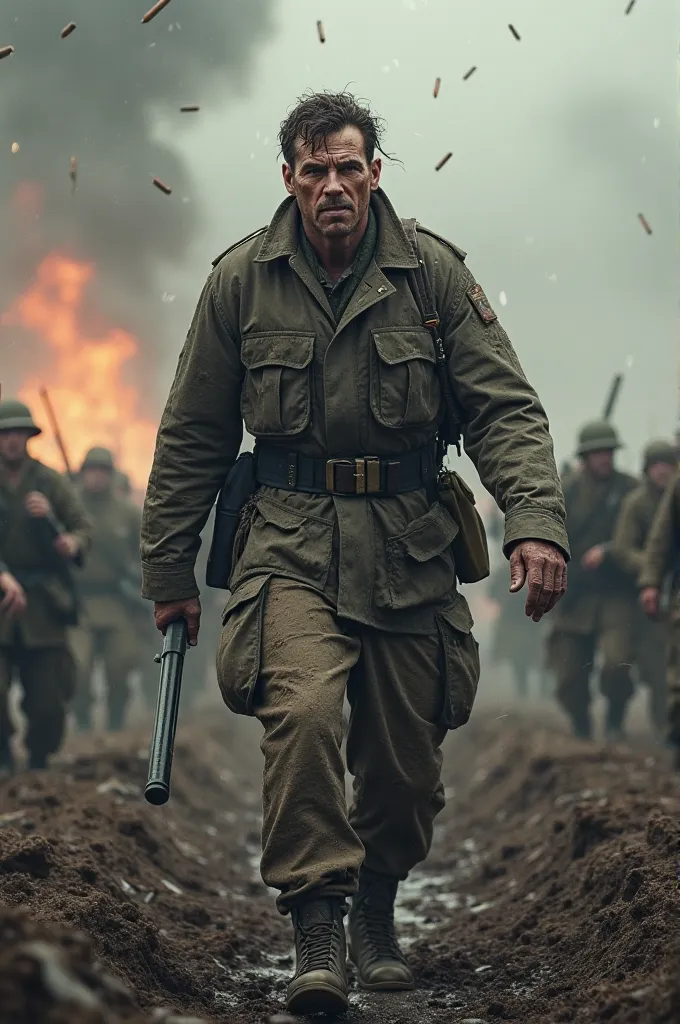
(333, 184)
(13, 446)
(660, 473)
(97, 480)
(600, 464)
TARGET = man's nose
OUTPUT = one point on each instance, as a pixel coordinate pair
(333, 185)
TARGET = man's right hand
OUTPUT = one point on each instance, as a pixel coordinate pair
(13, 603)
(649, 599)
(190, 609)
(37, 505)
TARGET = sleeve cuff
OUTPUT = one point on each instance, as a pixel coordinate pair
(647, 579)
(176, 583)
(529, 525)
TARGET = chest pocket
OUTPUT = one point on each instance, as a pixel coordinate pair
(404, 387)
(277, 389)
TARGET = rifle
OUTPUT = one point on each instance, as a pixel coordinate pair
(612, 397)
(171, 660)
(54, 424)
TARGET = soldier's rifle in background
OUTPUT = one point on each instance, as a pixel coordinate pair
(612, 397)
(171, 660)
(52, 524)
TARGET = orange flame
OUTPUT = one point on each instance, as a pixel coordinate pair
(84, 375)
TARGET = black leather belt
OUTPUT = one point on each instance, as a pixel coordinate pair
(363, 474)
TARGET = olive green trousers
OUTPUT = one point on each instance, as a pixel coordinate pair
(285, 657)
(48, 677)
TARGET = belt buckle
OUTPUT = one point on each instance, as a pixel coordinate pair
(365, 471)
(330, 473)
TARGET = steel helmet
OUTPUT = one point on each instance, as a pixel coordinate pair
(14, 415)
(598, 436)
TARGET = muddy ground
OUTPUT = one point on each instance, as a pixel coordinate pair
(552, 892)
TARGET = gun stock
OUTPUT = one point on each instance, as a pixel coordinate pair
(157, 790)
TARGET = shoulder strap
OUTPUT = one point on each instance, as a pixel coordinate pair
(450, 431)
(241, 241)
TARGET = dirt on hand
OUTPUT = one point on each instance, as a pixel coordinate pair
(552, 892)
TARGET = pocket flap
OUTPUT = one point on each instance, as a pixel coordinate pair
(399, 346)
(244, 593)
(458, 615)
(274, 513)
(277, 348)
(429, 535)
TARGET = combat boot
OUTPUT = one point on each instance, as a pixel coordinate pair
(373, 942)
(581, 724)
(614, 730)
(320, 981)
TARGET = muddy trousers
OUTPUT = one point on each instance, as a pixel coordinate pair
(652, 655)
(119, 655)
(47, 677)
(303, 660)
(572, 656)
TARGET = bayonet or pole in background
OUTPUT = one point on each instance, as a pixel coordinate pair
(54, 424)
(612, 397)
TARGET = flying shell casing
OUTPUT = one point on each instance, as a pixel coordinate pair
(468, 73)
(68, 29)
(322, 33)
(189, 108)
(5, 51)
(514, 32)
(162, 186)
(437, 85)
(645, 223)
(156, 9)
(73, 169)
(444, 160)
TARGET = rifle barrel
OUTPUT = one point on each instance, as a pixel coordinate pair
(612, 396)
(157, 789)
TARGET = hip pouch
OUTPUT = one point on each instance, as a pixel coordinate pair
(235, 495)
(470, 549)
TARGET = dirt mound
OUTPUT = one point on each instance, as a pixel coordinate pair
(552, 892)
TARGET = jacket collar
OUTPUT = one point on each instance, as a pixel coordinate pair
(393, 248)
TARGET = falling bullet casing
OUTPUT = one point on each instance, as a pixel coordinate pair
(444, 160)
(68, 29)
(163, 187)
(437, 84)
(156, 9)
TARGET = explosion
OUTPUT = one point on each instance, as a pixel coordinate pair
(84, 373)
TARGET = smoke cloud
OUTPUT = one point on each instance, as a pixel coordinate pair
(98, 95)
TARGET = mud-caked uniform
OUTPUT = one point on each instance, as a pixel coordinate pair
(346, 582)
(35, 645)
(630, 537)
(599, 611)
(662, 560)
(110, 605)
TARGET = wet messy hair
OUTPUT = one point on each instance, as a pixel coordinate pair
(316, 115)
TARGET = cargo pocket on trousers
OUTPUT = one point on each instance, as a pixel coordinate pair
(420, 566)
(460, 663)
(240, 646)
(287, 540)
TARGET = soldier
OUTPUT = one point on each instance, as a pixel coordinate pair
(661, 559)
(43, 530)
(109, 587)
(630, 536)
(311, 331)
(599, 613)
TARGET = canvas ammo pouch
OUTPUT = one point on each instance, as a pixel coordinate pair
(230, 515)
(469, 546)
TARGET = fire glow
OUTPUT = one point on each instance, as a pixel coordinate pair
(84, 374)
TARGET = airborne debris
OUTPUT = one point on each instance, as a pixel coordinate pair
(630, 6)
(444, 160)
(514, 31)
(189, 108)
(171, 887)
(5, 51)
(321, 31)
(470, 72)
(437, 83)
(645, 223)
(163, 188)
(156, 9)
(73, 173)
(15, 147)
(127, 888)
(68, 29)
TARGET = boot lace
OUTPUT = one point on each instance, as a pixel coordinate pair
(316, 947)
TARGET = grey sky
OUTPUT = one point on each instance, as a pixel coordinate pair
(555, 153)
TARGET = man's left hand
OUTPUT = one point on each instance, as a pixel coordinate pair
(544, 568)
(66, 545)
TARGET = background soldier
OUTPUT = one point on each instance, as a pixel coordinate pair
(43, 529)
(662, 560)
(599, 611)
(110, 589)
(517, 641)
(630, 537)
(346, 581)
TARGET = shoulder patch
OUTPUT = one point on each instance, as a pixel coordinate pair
(241, 241)
(481, 303)
(449, 245)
